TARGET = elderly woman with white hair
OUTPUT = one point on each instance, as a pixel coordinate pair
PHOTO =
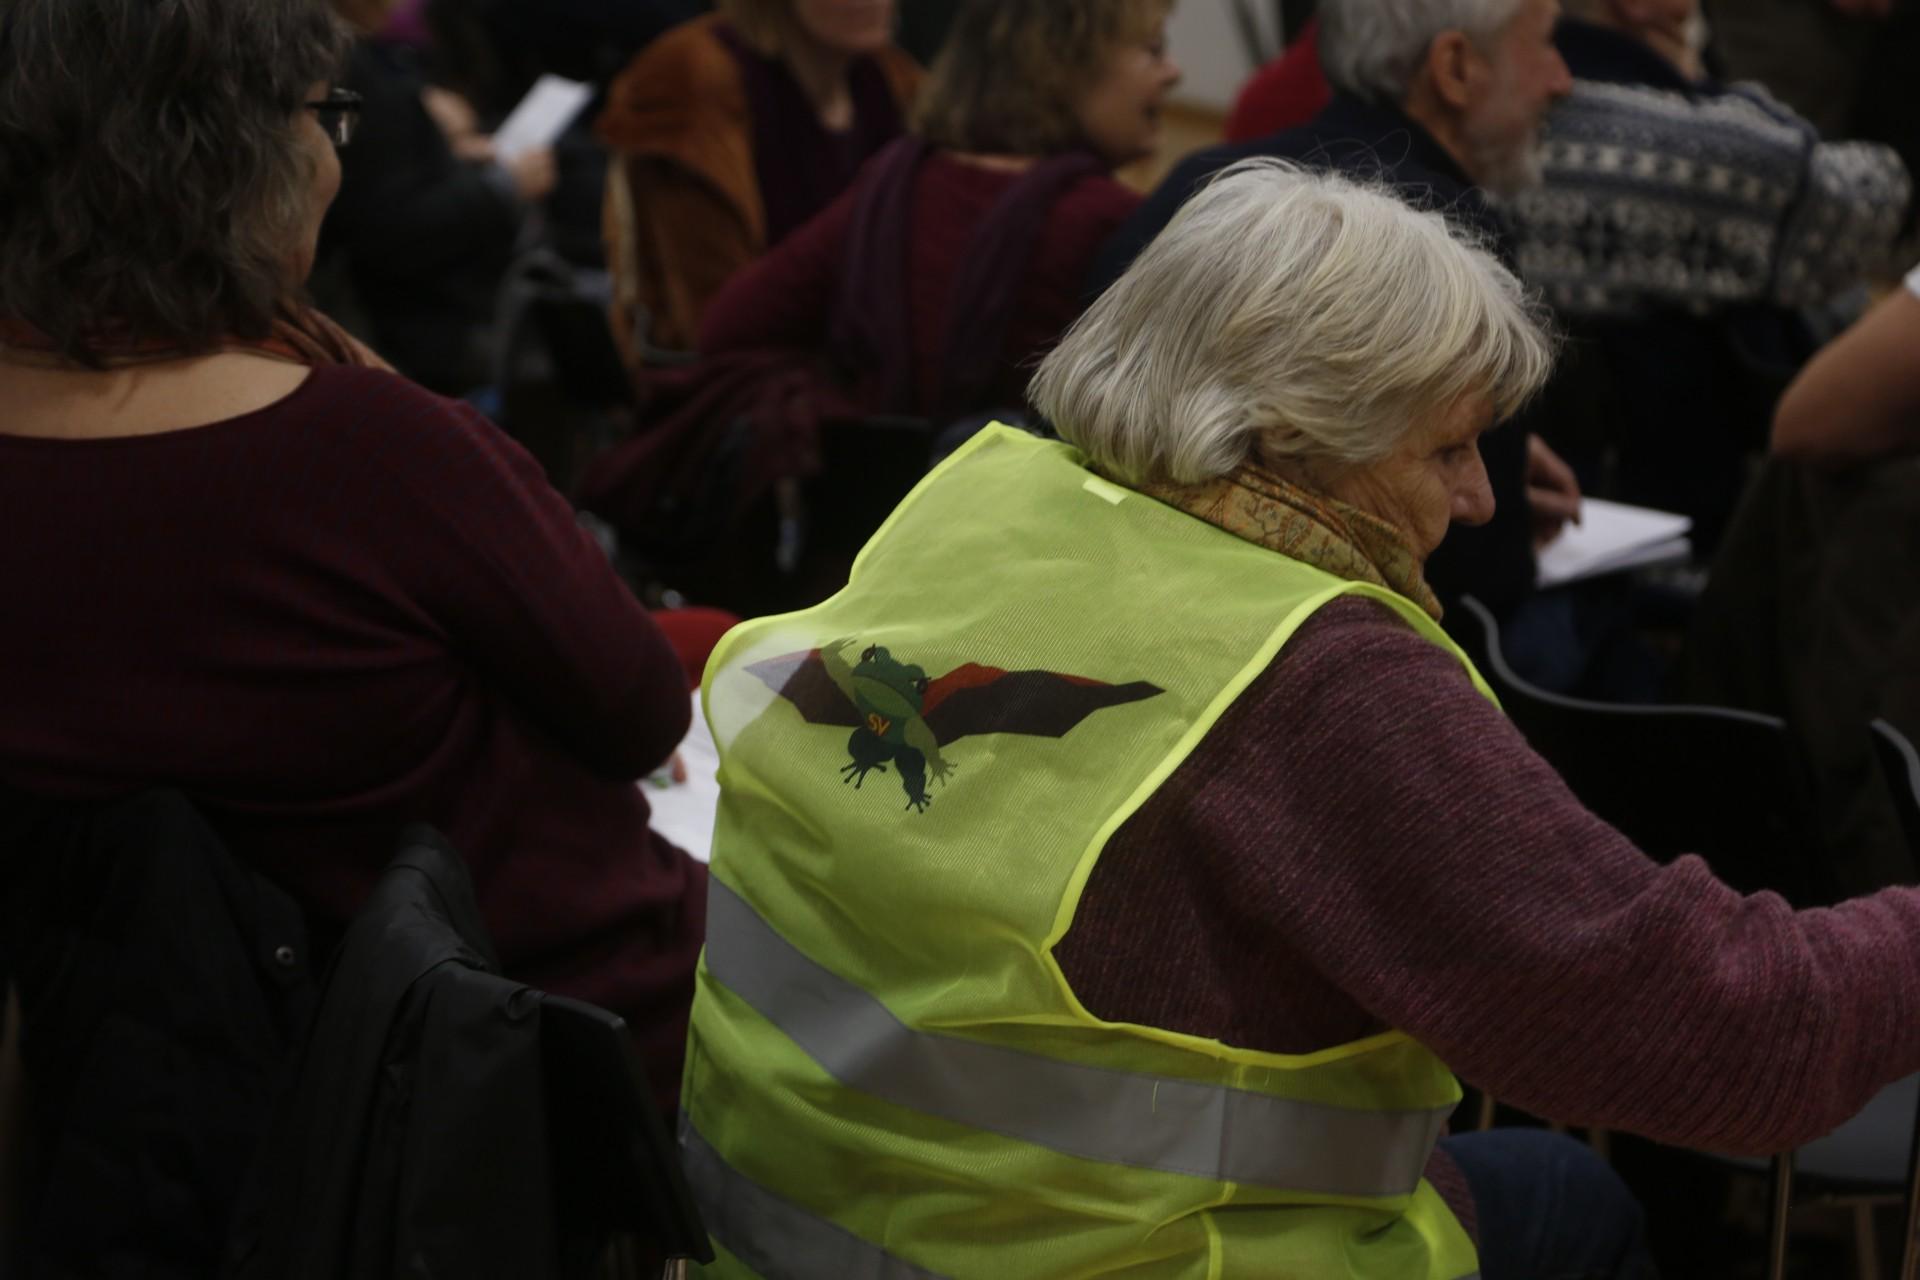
(1440, 100)
(1115, 876)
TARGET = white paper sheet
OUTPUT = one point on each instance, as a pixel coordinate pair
(1612, 537)
(542, 116)
(683, 812)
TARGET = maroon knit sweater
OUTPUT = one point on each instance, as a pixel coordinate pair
(1364, 842)
(357, 608)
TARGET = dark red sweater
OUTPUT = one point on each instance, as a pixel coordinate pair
(1364, 842)
(786, 299)
(360, 607)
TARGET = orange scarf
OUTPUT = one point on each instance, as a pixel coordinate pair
(1255, 504)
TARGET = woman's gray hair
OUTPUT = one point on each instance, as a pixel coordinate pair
(1372, 48)
(152, 186)
(1307, 313)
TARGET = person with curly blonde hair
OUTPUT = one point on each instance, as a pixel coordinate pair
(929, 287)
(956, 259)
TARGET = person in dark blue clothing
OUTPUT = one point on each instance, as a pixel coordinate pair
(1442, 100)
(427, 218)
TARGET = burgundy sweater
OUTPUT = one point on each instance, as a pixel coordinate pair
(1363, 842)
(786, 299)
(360, 607)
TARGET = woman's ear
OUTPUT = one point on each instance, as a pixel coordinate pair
(1455, 69)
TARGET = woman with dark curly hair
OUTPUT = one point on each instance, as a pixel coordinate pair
(317, 600)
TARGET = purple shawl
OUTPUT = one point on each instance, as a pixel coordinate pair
(872, 331)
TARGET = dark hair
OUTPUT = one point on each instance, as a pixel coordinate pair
(151, 187)
(1009, 78)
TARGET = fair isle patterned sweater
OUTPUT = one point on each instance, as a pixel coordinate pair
(1662, 193)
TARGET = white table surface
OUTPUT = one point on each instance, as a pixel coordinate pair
(683, 811)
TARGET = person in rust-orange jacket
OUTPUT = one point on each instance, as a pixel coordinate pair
(731, 131)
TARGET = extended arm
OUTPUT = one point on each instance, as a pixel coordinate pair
(1859, 398)
(786, 299)
(1374, 845)
(522, 594)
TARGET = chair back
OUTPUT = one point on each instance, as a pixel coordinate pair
(564, 391)
(867, 465)
(447, 1120)
(161, 987)
(626, 308)
(1727, 785)
(1900, 767)
(616, 1171)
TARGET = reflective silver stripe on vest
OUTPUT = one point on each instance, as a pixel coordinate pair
(1148, 1122)
(775, 1238)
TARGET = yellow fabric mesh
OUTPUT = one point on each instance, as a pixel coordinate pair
(949, 915)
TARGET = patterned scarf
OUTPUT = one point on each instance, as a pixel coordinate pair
(1255, 504)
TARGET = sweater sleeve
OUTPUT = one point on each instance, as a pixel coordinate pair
(786, 298)
(1441, 874)
(1853, 204)
(502, 568)
(1724, 196)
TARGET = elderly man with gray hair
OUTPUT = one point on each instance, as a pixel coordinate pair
(1443, 100)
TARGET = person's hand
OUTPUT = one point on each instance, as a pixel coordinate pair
(454, 114)
(475, 148)
(1681, 42)
(1553, 494)
(1863, 8)
(671, 774)
(534, 173)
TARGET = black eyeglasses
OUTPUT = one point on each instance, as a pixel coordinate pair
(339, 114)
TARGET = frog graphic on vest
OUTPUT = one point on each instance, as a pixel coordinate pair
(902, 719)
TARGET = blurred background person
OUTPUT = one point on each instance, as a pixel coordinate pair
(928, 289)
(1679, 228)
(957, 257)
(1811, 612)
(428, 217)
(730, 132)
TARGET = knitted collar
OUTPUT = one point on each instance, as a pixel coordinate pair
(1256, 504)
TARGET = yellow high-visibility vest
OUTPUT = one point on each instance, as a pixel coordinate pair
(888, 1075)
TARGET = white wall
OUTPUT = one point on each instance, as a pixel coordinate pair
(1206, 43)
